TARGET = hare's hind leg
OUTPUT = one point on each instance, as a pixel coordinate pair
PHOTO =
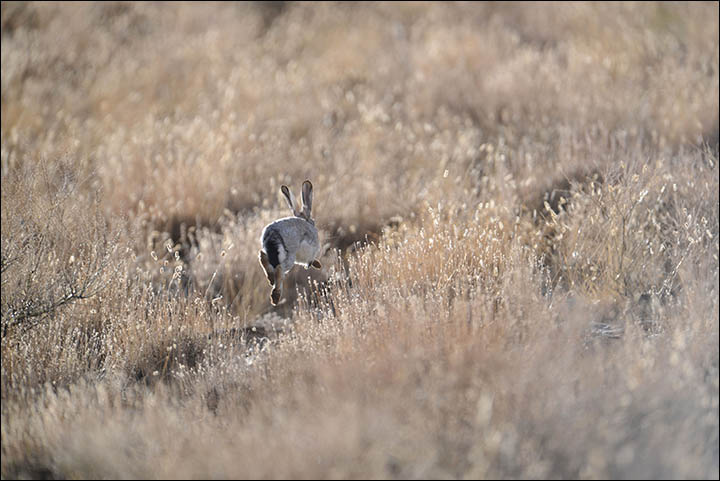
(280, 271)
(269, 270)
(277, 290)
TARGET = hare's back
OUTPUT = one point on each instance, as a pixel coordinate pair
(293, 230)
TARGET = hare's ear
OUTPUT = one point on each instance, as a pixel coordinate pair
(307, 197)
(290, 198)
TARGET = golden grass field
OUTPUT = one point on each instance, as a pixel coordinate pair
(520, 209)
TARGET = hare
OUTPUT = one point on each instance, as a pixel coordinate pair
(289, 241)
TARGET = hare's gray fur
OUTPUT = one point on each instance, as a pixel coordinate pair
(292, 240)
(289, 241)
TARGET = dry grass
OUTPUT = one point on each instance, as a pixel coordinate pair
(520, 204)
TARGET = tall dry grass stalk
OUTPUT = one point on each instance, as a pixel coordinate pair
(520, 209)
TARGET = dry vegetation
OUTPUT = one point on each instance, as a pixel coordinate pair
(520, 203)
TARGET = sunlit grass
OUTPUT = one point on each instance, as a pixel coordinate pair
(519, 204)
